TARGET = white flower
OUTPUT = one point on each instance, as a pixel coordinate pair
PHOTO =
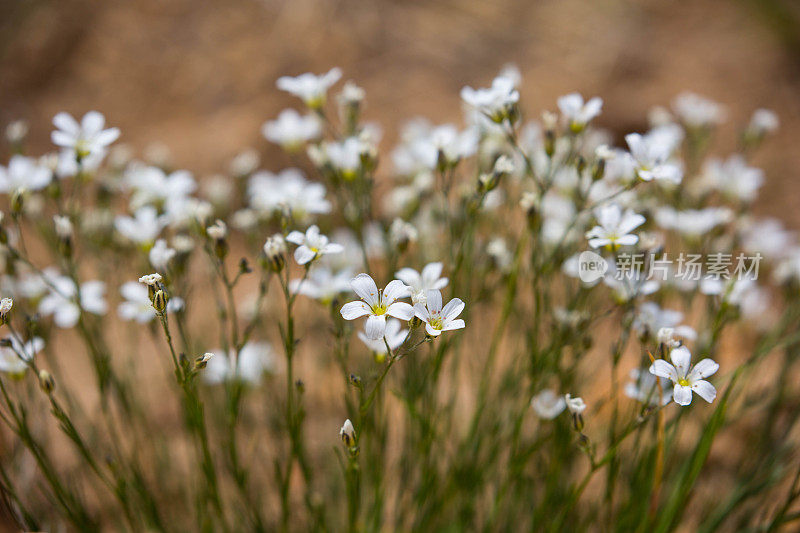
(578, 113)
(23, 174)
(615, 227)
(10, 360)
(217, 231)
(138, 306)
(421, 283)
(733, 178)
(767, 236)
(244, 163)
(322, 284)
(697, 111)
(5, 306)
(401, 233)
(436, 318)
(650, 155)
(151, 280)
(345, 155)
(651, 319)
(310, 88)
(151, 185)
(143, 227)
(255, 358)
(61, 301)
(348, 433)
(291, 130)
(63, 226)
(85, 139)
(687, 379)
(576, 406)
(763, 121)
(394, 335)
(693, 223)
(496, 102)
(161, 254)
(288, 191)
(377, 305)
(548, 405)
(312, 245)
(643, 387)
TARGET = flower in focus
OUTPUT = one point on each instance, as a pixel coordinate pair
(312, 89)
(614, 228)
(548, 405)
(421, 283)
(436, 318)
(643, 387)
(377, 305)
(85, 139)
(312, 245)
(394, 335)
(292, 130)
(577, 113)
(62, 300)
(255, 358)
(138, 305)
(23, 174)
(687, 379)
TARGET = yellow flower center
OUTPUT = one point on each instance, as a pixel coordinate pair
(683, 382)
(379, 309)
(436, 323)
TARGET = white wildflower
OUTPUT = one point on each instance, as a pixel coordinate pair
(687, 379)
(377, 305)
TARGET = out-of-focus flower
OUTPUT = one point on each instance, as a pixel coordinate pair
(436, 318)
(421, 282)
(732, 177)
(577, 113)
(254, 359)
(763, 121)
(161, 254)
(15, 358)
(651, 319)
(377, 305)
(687, 379)
(312, 245)
(138, 306)
(143, 227)
(291, 130)
(643, 387)
(322, 284)
(693, 222)
(698, 112)
(85, 139)
(575, 405)
(61, 301)
(23, 174)
(497, 102)
(286, 192)
(312, 89)
(651, 158)
(548, 405)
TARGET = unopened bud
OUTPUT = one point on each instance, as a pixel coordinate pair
(46, 382)
(160, 300)
(201, 362)
(275, 253)
(348, 434)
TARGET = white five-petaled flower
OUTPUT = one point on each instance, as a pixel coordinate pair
(575, 405)
(23, 174)
(687, 379)
(421, 282)
(437, 318)
(312, 245)
(578, 113)
(85, 139)
(62, 301)
(614, 227)
(291, 129)
(377, 305)
(394, 335)
(548, 405)
(651, 157)
(495, 102)
(143, 227)
(310, 88)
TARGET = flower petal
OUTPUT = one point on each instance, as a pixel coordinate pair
(375, 327)
(394, 290)
(703, 369)
(365, 287)
(353, 310)
(663, 369)
(401, 310)
(453, 324)
(296, 237)
(303, 254)
(682, 394)
(705, 390)
(681, 358)
(452, 309)
(434, 301)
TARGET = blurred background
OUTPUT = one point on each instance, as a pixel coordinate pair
(199, 77)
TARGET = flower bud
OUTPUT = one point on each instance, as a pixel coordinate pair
(160, 300)
(46, 382)
(5, 308)
(348, 434)
(275, 253)
(201, 362)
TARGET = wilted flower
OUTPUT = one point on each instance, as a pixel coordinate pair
(312, 245)
(377, 305)
(421, 283)
(548, 405)
(436, 318)
(575, 405)
(310, 88)
(687, 379)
